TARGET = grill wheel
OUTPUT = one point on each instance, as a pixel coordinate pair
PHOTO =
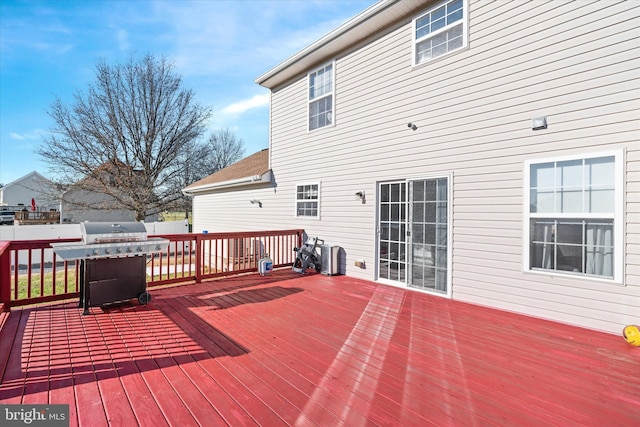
(144, 298)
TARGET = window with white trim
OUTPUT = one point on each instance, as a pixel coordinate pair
(575, 216)
(439, 31)
(307, 200)
(321, 97)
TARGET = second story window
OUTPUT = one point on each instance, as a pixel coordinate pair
(321, 97)
(439, 31)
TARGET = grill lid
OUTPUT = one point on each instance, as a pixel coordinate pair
(103, 232)
(103, 240)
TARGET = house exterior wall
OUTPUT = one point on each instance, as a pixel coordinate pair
(231, 210)
(31, 186)
(577, 63)
(76, 208)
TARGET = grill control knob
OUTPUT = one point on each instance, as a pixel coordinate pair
(95, 252)
(128, 249)
(119, 250)
(107, 251)
(139, 249)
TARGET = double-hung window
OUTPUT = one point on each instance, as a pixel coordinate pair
(440, 30)
(575, 216)
(307, 200)
(321, 97)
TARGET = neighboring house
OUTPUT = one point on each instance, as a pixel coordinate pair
(32, 192)
(82, 205)
(91, 198)
(487, 152)
(88, 200)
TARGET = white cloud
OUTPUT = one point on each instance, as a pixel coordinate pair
(232, 42)
(247, 104)
(123, 39)
(27, 136)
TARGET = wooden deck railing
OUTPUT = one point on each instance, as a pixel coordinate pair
(30, 272)
(38, 217)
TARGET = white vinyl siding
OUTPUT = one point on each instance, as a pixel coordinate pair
(575, 62)
(440, 30)
(473, 111)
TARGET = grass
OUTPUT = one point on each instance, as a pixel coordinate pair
(47, 284)
(174, 216)
(26, 282)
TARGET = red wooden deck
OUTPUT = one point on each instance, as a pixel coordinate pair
(314, 350)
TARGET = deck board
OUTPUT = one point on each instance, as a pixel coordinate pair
(313, 350)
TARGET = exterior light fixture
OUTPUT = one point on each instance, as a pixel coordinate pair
(538, 123)
(412, 126)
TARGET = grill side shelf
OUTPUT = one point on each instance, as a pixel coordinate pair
(75, 251)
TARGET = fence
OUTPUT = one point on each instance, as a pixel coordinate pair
(58, 232)
(69, 231)
(30, 272)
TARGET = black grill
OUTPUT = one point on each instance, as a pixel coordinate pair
(113, 259)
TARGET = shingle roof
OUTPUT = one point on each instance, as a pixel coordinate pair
(253, 165)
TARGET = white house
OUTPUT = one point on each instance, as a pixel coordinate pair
(80, 205)
(32, 187)
(487, 152)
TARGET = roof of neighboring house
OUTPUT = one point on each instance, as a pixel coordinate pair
(31, 174)
(371, 21)
(251, 169)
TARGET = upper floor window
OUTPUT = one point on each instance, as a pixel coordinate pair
(321, 97)
(575, 215)
(439, 31)
(307, 200)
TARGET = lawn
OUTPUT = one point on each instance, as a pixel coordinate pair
(43, 284)
(174, 216)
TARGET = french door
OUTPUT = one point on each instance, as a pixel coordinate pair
(413, 233)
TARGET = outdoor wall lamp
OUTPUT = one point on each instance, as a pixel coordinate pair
(360, 196)
(254, 201)
(538, 123)
(412, 126)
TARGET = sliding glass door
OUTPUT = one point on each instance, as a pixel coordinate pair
(413, 233)
(392, 231)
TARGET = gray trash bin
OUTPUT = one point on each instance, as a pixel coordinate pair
(329, 258)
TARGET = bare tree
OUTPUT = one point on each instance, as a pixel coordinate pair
(224, 150)
(194, 160)
(125, 138)
(221, 149)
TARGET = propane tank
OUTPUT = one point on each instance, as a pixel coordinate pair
(265, 265)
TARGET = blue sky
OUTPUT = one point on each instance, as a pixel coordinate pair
(49, 49)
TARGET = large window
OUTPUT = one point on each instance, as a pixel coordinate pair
(321, 97)
(574, 216)
(439, 31)
(307, 200)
